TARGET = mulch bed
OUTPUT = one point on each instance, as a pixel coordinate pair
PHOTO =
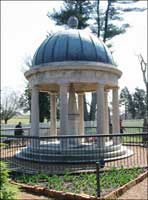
(70, 196)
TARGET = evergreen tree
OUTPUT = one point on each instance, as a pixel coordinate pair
(44, 99)
(135, 104)
(127, 101)
(25, 100)
(82, 9)
(139, 99)
(44, 104)
(104, 25)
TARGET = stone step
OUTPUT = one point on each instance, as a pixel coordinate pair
(70, 157)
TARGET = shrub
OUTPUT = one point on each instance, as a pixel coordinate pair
(7, 190)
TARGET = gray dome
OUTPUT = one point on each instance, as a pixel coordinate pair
(72, 45)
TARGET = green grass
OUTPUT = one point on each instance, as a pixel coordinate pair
(23, 118)
(3, 145)
(134, 123)
(135, 139)
(90, 131)
(84, 182)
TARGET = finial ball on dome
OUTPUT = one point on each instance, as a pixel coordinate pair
(73, 22)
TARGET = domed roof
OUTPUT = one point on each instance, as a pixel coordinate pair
(72, 45)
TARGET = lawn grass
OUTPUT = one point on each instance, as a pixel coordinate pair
(134, 139)
(84, 182)
(22, 118)
(134, 123)
(25, 120)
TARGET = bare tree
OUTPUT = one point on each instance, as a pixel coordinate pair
(9, 106)
(28, 61)
(144, 69)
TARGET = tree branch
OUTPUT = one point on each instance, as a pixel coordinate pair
(144, 67)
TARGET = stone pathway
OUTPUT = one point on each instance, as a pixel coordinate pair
(139, 191)
(23, 195)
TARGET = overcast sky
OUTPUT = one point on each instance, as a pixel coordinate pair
(24, 26)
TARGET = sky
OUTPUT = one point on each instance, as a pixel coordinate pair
(24, 25)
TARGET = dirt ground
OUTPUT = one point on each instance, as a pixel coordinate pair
(139, 191)
(23, 195)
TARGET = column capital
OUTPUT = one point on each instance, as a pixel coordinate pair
(106, 91)
(64, 84)
(116, 88)
(53, 93)
(81, 93)
(35, 87)
(100, 85)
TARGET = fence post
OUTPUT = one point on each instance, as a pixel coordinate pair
(98, 178)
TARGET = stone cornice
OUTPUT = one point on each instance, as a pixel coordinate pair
(73, 65)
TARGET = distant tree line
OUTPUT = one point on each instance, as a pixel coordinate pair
(134, 104)
(44, 104)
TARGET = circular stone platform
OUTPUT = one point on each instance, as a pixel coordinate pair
(56, 152)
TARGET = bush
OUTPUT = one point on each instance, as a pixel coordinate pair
(7, 190)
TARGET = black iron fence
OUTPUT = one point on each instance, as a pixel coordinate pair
(126, 129)
(45, 131)
(132, 129)
(60, 153)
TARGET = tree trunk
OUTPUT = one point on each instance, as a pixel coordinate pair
(93, 107)
(98, 17)
(147, 100)
(6, 120)
(110, 121)
(106, 20)
(86, 114)
(145, 123)
(41, 118)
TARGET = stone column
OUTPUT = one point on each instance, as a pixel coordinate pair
(53, 116)
(81, 111)
(100, 113)
(63, 109)
(106, 113)
(35, 115)
(115, 114)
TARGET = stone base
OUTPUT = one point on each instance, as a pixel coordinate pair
(57, 152)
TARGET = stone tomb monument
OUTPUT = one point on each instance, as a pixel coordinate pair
(70, 63)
